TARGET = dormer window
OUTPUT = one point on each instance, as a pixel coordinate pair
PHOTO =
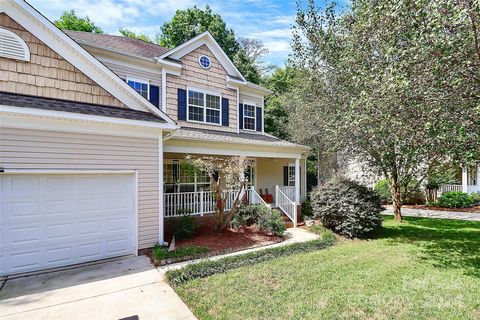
(12, 46)
(249, 117)
(141, 86)
(205, 62)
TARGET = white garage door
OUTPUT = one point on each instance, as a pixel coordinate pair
(52, 220)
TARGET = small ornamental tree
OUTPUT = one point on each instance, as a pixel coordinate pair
(225, 174)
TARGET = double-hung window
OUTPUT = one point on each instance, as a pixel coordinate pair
(204, 107)
(291, 176)
(249, 117)
(141, 86)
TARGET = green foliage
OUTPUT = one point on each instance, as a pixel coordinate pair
(383, 189)
(159, 252)
(318, 229)
(246, 66)
(475, 198)
(347, 208)
(455, 199)
(211, 267)
(307, 211)
(267, 220)
(70, 21)
(185, 226)
(138, 36)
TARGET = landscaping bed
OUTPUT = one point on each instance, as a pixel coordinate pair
(437, 208)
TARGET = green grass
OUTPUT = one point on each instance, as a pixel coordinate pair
(317, 229)
(160, 253)
(419, 269)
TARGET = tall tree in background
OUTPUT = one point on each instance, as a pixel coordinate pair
(187, 24)
(138, 36)
(392, 84)
(70, 21)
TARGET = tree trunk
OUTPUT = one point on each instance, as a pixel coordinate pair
(397, 200)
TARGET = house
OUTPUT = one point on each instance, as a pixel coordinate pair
(93, 131)
(467, 180)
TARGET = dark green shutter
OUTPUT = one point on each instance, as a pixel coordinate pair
(240, 115)
(285, 175)
(182, 104)
(259, 119)
(225, 112)
(155, 96)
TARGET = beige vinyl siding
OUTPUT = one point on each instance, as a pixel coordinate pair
(270, 173)
(34, 149)
(124, 71)
(212, 79)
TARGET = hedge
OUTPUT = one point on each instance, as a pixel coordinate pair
(211, 267)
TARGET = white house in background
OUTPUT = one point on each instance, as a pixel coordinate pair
(468, 180)
(93, 131)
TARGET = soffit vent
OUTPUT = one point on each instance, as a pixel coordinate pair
(12, 46)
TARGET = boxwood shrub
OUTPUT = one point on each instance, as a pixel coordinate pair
(455, 199)
(211, 267)
(266, 219)
(347, 208)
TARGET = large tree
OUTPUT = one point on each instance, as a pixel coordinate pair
(393, 84)
(70, 21)
(134, 35)
(186, 24)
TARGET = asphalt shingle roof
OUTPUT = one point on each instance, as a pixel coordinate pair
(233, 137)
(120, 44)
(19, 100)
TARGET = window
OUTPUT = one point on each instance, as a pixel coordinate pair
(141, 86)
(249, 117)
(180, 176)
(203, 107)
(204, 62)
(291, 176)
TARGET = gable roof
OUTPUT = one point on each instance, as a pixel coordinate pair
(207, 39)
(48, 33)
(120, 44)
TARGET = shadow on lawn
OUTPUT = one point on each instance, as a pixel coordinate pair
(444, 243)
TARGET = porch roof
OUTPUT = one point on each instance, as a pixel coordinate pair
(258, 139)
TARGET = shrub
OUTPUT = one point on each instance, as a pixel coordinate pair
(347, 208)
(184, 226)
(246, 216)
(455, 199)
(270, 221)
(211, 267)
(160, 252)
(307, 211)
(383, 190)
(475, 198)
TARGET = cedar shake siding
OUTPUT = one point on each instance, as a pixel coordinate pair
(47, 74)
(22, 148)
(212, 79)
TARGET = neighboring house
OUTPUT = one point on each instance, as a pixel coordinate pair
(467, 180)
(93, 130)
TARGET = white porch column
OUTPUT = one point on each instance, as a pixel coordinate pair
(464, 179)
(478, 177)
(160, 190)
(297, 180)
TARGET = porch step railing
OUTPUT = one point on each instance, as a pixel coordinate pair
(194, 203)
(288, 191)
(288, 207)
(255, 198)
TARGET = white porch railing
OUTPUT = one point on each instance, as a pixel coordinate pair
(254, 198)
(288, 191)
(449, 187)
(194, 203)
(289, 207)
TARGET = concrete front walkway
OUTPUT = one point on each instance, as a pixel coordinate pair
(410, 212)
(126, 288)
(292, 235)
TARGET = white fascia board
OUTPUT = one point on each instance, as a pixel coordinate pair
(47, 32)
(169, 63)
(53, 114)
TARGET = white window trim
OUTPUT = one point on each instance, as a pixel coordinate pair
(144, 81)
(205, 92)
(254, 105)
(204, 55)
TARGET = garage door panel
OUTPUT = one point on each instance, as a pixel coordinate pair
(64, 219)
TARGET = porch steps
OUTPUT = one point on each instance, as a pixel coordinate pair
(287, 221)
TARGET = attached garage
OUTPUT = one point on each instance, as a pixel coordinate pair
(55, 219)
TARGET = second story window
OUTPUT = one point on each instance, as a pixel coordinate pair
(249, 117)
(203, 107)
(141, 86)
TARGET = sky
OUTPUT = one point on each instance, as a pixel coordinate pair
(266, 20)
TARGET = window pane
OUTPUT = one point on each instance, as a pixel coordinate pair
(195, 113)
(249, 123)
(249, 111)
(213, 102)
(195, 98)
(140, 87)
(213, 116)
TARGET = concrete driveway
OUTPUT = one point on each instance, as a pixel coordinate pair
(126, 288)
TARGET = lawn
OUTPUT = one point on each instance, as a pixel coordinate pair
(419, 269)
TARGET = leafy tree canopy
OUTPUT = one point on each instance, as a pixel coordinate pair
(131, 34)
(70, 21)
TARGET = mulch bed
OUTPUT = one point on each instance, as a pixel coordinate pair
(475, 209)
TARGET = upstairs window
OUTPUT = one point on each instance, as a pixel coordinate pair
(249, 117)
(204, 107)
(141, 86)
(12, 46)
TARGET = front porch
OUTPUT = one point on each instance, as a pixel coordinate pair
(468, 181)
